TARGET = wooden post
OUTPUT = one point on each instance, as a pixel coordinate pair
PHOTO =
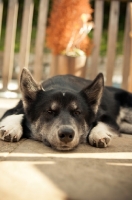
(126, 53)
(25, 34)
(9, 42)
(1, 12)
(130, 35)
(111, 46)
(40, 39)
(98, 23)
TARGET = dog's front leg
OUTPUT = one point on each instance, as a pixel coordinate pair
(101, 135)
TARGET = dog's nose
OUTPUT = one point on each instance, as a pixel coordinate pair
(66, 135)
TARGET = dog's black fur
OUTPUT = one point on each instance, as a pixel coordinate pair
(66, 110)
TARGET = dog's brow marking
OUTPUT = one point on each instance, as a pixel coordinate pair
(74, 105)
(54, 105)
(63, 93)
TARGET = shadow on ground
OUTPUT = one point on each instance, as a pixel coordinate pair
(85, 173)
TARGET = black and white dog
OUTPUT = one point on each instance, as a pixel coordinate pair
(65, 111)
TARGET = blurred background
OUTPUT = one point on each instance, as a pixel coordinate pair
(53, 37)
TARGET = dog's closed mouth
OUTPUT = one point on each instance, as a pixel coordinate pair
(62, 148)
(65, 147)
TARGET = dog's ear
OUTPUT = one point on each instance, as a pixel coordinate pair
(94, 92)
(28, 86)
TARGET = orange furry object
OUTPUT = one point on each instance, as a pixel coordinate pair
(68, 18)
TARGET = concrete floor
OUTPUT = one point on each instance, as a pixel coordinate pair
(30, 170)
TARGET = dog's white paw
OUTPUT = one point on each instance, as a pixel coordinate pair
(11, 129)
(100, 135)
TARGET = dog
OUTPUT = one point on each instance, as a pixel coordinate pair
(66, 110)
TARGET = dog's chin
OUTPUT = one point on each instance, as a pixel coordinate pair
(63, 148)
(59, 147)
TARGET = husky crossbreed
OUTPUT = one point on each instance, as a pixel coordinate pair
(66, 110)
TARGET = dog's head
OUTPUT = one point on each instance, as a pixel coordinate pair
(61, 119)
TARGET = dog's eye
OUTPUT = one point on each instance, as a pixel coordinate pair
(51, 112)
(77, 112)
